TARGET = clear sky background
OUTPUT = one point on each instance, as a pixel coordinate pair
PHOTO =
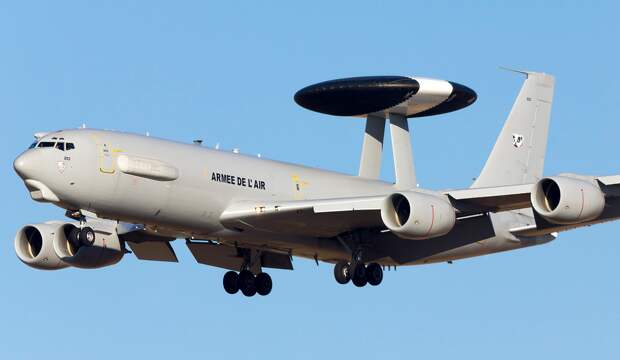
(226, 72)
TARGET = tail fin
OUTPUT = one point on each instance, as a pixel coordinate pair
(519, 152)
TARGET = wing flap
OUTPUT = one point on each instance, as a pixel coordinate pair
(153, 251)
(216, 255)
(228, 257)
(148, 246)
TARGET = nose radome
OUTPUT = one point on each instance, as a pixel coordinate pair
(24, 165)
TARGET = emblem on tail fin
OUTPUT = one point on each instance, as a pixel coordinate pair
(517, 140)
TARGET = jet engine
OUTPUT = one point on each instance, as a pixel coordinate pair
(50, 246)
(564, 200)
(34, 246)
(106, 249)
(417, 216)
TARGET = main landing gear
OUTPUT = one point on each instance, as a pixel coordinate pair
(249, 284)
(359, 273)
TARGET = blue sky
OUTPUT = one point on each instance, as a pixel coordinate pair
(227, 72)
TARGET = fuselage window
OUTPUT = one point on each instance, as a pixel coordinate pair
(69, 146)
(45, 144)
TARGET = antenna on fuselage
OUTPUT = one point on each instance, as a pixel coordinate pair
(378, 98)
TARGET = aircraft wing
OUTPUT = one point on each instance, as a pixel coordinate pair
(330, 217)
(317, 218)
(491, 199)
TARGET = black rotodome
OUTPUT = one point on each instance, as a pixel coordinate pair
(364, 95)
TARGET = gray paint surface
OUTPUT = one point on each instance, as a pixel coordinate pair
(179, 190)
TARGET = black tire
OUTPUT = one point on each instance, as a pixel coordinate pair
(247, 283)
(342, 272)
(231, 282)
(74, 237)
(87, 236)
(358, 275)
(263, 284)
(374, 274)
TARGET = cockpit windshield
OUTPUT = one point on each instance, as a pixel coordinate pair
(59, 144)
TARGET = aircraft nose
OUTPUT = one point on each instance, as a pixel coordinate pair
(24, 165)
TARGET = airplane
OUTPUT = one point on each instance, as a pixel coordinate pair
(126, 193)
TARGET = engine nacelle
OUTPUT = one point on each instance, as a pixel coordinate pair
(34, 246)
(47, 246)
(564, 200)
(417, 216)
(105, 251)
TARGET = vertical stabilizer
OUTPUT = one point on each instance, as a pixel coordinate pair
(519, 153)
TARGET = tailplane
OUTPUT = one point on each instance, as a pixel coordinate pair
(519, 153)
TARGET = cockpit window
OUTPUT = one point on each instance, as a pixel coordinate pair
(60, 145)
(33, 145)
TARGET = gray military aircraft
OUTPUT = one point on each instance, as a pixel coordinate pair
(245, 213)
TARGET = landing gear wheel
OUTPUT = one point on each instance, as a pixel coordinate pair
(374, 274)
(247, 283)
(231, 282)
(87, 236)
(263, 284)
(358, 275)
(74, 237)
(342, 272)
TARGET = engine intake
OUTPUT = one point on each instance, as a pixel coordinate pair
(417, 216)
(34, 246)
(564, 200)
(47, 246)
